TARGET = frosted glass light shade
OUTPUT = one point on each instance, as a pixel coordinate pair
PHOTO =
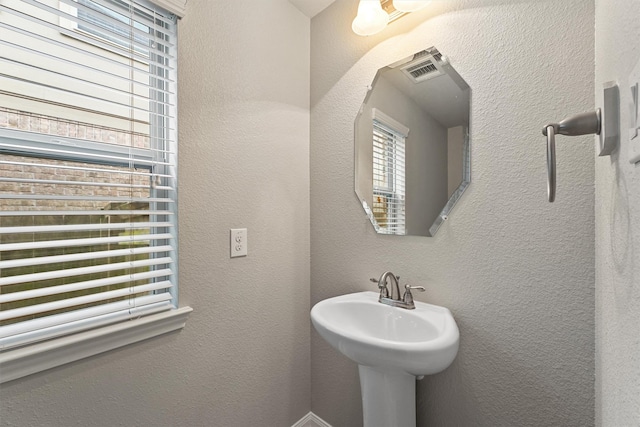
(409, 5)
(371, 18)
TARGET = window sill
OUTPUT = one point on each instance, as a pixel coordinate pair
(39, 357)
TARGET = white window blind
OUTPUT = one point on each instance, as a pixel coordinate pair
(88, 161)
(388, 175)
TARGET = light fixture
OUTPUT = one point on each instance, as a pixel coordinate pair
(374, 15)
(409, 5)
(371, 18)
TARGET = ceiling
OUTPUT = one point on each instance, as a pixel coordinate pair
(311, 7)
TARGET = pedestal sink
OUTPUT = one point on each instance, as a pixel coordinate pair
(392, 347)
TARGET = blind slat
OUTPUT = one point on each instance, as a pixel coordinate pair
(70, 272)
(82, 242)
(94, 198)
(83, 227)
(86, 299)
(84, 256)
(60, 182)
(122, 212)
(78, 286)
(90, 156)
(84, 169)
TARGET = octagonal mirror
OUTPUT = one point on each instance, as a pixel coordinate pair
(412, 160)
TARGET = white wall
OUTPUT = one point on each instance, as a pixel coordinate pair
(617, 229)
(516, 271)
(243, 358)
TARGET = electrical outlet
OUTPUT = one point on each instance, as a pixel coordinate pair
(238, 242)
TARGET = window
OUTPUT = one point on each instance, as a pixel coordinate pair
(88, 178)
(388, 174)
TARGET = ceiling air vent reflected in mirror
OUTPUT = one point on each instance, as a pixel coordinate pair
(424, 68)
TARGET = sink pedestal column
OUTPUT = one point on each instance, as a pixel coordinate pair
(388, 397)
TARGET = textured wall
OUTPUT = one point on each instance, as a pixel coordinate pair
(516, 271)
(243, 358)
(617, 229)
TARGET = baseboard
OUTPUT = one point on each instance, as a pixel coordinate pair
(311, 420)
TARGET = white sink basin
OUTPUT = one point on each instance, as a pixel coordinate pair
(391, 346)
(420, 342)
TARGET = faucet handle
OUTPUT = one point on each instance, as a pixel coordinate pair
(384, 291)
(407, 298)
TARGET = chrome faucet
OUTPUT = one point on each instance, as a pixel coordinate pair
(387, 297)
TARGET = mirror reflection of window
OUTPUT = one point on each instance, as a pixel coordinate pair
(389, 138)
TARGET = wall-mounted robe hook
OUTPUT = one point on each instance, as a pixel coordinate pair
(593, 122)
